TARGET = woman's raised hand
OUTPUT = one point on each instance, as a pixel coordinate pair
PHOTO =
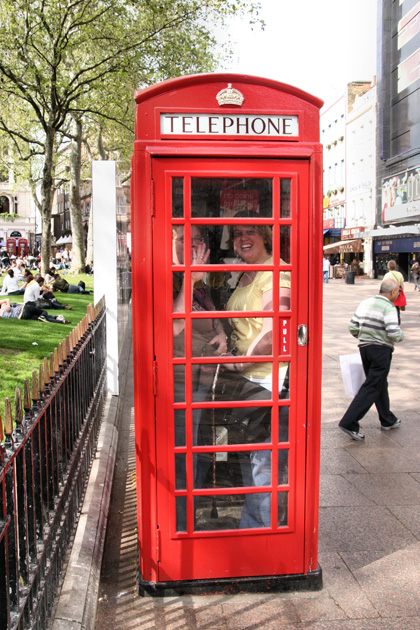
(199, 256)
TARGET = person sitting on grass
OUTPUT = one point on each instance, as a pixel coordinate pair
(60, 284)
(27, 311)
(46, 298)
(50, 277)
(11, 284)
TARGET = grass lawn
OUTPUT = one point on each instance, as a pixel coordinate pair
(25, 343)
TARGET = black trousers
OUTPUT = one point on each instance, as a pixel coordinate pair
(376, 361)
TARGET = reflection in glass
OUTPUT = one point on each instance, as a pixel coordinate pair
(284, 424)
(179, 383)
(178, 294)
(285, 207)
(179, 339)
(180, 472)
(282, 514)
(283, 467)
(285, 244)
(230, 384)
(224, 197)
(223, 512)
(219, 426)
(285, 290)
(181, 514)
(178, 197)
(179, 420)
(227, 469)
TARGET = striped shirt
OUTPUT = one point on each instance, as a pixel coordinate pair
(376, 322)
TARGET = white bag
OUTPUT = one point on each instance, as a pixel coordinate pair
(352, 373)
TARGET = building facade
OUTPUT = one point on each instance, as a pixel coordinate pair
(398, 136)
(18, 217)
(348, 137)
(361, 171)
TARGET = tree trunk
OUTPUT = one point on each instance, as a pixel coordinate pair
(47, 200)
(78, 249)
(89, 253)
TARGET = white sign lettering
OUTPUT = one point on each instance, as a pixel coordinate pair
(228, 125)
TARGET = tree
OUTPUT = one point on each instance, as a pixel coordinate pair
(56, 54)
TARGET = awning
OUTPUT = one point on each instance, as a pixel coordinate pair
(385, 232)
(353, 246)
(64, 240)
(328, 230)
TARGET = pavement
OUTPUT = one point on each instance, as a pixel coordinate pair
(369, 525)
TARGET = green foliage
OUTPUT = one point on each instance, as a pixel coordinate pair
(62, 60)
(8, 216)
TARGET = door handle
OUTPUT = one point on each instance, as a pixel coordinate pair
(302, 335)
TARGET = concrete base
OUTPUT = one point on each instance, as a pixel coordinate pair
(311, 581)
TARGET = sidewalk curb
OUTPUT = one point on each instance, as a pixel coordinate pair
(76, 608)
(77, 601)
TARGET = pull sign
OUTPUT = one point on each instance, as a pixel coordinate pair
(285, 336)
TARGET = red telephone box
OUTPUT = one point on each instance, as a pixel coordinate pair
(11, 246)
(22, 247)
(227, 295)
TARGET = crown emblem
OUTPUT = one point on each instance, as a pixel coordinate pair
(230, 96)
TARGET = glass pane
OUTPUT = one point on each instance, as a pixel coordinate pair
(226, 244)
(214, 337)
(285, 244)
(181, 514)
(242, 425)
(180, 472)
(231, 383)
(238, 469)
(179, 383)
(285, 290)
(234, 511)
(283, 467)
(224, 197)
(283, 424)
(178, 338)
(179, 420)
(285, 187)
(177, 292)
(282, 515)
(178, 197)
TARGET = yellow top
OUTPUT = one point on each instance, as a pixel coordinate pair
(246, 329)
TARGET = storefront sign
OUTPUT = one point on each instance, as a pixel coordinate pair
(351, 232)
(395, 245)
(401, 196)
(184, 124)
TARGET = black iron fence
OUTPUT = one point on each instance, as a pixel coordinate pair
(47, 443)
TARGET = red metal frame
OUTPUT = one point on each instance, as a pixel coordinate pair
(165, 555)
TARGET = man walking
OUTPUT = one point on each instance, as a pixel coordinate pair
(375, 324)
(325, 269)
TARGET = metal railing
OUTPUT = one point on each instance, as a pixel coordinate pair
(46, 452)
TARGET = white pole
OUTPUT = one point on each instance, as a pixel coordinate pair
(104, 208)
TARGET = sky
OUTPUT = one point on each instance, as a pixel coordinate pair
(316, 45)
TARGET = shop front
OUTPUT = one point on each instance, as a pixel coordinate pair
(344, 255)
(404, 251)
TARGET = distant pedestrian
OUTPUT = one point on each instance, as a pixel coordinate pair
(393, 274)
(415, 270)
(375, 325)
(326, 268)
